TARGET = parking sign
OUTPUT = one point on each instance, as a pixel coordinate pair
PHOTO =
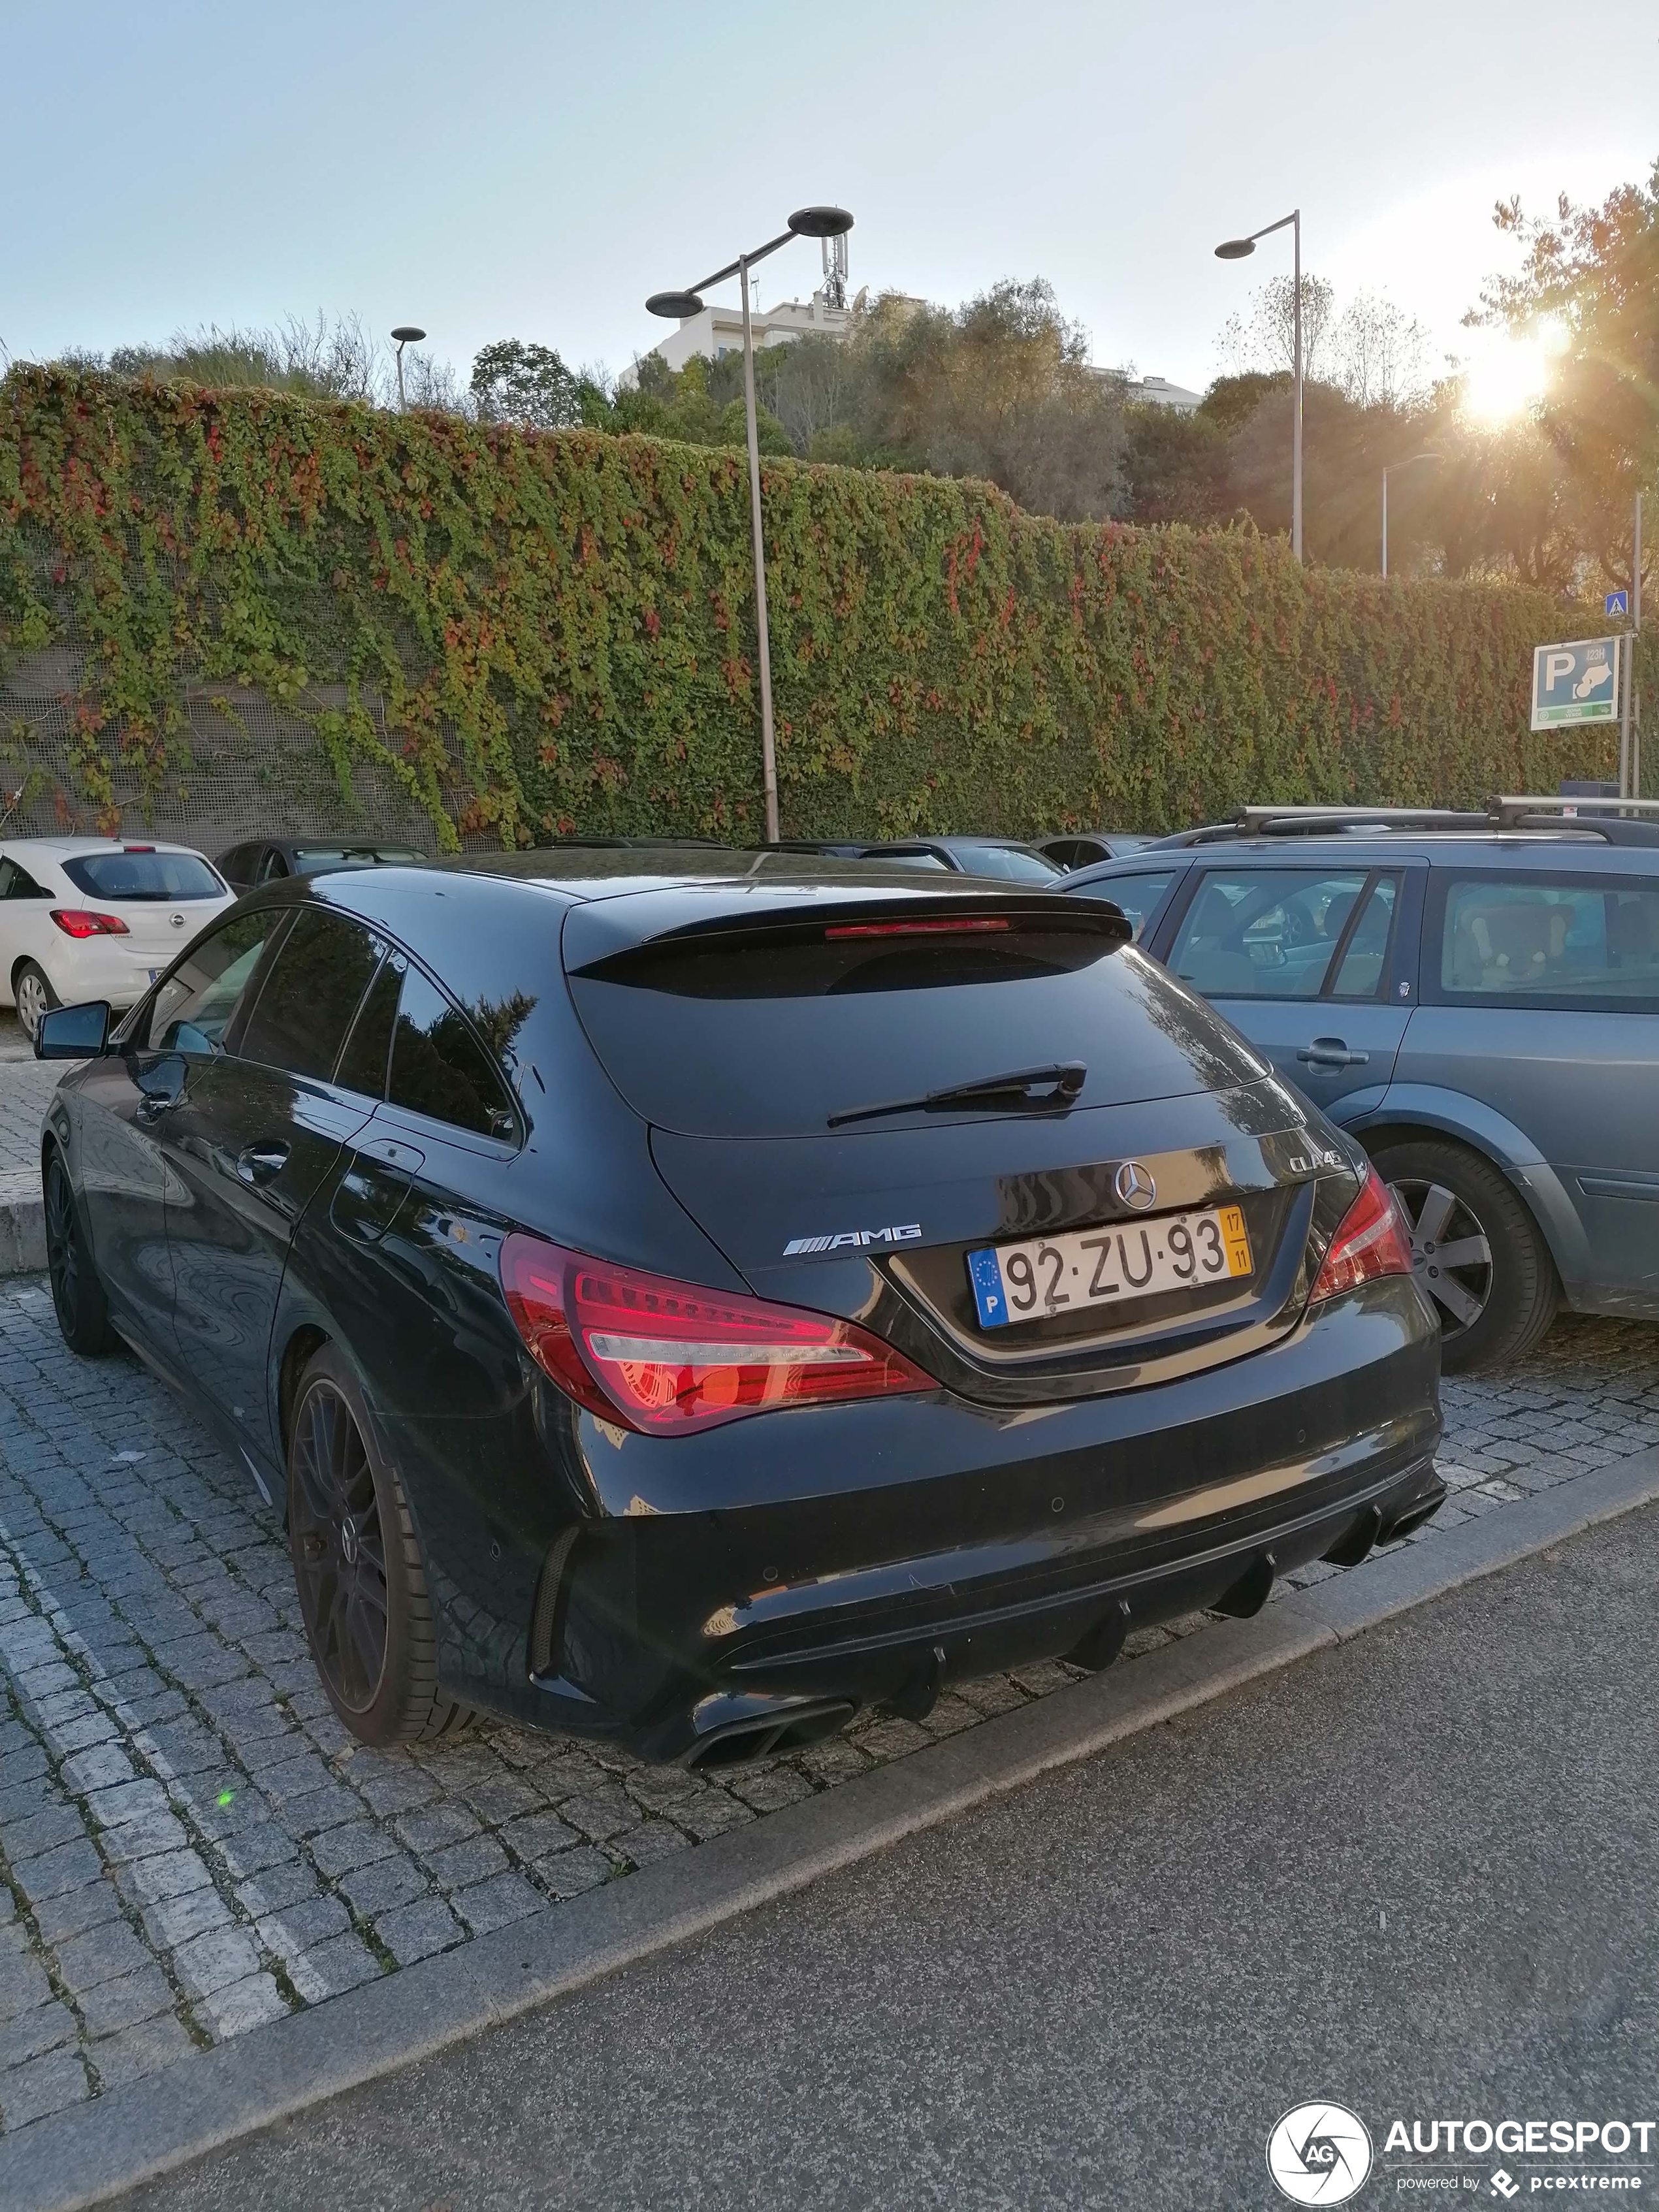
(1575, 682)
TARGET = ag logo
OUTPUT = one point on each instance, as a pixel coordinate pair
(1319, 2154)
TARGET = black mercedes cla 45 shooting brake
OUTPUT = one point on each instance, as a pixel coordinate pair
(690, 1298)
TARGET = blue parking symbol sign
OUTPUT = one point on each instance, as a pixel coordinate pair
(1576, 682)
(1617, 603)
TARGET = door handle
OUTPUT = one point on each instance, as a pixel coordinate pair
(1331, 1052)
(259, 1164)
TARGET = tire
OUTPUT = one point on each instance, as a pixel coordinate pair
(78, 1290)
(1500, 1291)
(357, 1567)
(33, 995)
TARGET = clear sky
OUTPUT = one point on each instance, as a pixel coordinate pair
(500, 168)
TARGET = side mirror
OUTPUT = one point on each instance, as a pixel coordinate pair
(73, 1032)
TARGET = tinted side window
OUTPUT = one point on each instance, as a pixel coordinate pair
(1264, 933)
(1568, 941)
(194, 1006)
(363, 1064)
(1139, 896)
(309, 995)
(1360, 975)
(275, 868)
(440, 1068)
(16, 883)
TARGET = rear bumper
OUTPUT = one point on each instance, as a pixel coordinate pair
(815, 1562)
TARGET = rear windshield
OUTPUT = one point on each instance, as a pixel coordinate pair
(309, 859)
(1008, 862)
(143, 875)
(773, 1040)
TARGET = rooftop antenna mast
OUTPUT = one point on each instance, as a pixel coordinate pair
(835, 271)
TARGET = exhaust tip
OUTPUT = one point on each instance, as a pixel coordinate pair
(1421, 1509)
(740, 1742)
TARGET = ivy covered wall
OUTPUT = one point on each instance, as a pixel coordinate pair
(533, 634)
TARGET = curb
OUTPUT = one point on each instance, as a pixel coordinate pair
(23, 1224)
(131, 2135)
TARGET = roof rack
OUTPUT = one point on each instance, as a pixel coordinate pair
(1290, 820)
(1509, 810)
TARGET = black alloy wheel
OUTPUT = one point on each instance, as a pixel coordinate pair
(357, 1567)
(1452, 1252)
(1477, 1254)
(338, 1549)
(77, 1295)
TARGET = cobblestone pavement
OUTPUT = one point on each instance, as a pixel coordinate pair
(190, 1844)
(28, 1085)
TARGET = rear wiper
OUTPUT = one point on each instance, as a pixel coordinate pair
(1057, 1084)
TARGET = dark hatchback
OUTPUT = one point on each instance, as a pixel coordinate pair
(690, 1299)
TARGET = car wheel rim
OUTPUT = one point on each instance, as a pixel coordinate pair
(1452, 1252)
(31, 1002)
(339, 1552)
(63, 1249)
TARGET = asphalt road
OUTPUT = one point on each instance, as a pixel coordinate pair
(1419, 1875)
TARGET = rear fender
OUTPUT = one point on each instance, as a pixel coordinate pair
(1406, 1108)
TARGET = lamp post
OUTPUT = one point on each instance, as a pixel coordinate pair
(805, 222)
(405, 334)
(1387, 472)
(1236, 249)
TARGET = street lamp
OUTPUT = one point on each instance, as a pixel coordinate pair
(1386, 473)
(405, 334)
(1236, 249)
(805, 222)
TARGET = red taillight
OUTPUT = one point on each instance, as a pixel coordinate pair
(82, 921)
(663, 1357)
(1373, 1240)
(953, 925)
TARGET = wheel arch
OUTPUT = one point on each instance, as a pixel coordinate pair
(302, 1346)
(1428, 1118)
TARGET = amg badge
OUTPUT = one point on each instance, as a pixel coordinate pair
(907, 1234)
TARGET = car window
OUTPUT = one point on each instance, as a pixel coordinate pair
(438, 1066)
(1075, 852)
(140, 875)
(1360, 975)
(1007, 863)
(310, 993)
(16, 883)
(273, 868)
(363, 1063)
(195, 1004)
(1264, 933)
(1573, 941)
(1139, 896)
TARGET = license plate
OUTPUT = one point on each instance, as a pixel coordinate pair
(1103, 1267)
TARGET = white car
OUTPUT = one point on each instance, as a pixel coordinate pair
(94, 918)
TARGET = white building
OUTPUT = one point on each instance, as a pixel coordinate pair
(719, 331)
(1158, 392)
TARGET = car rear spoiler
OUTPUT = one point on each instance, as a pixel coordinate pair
(609, 932)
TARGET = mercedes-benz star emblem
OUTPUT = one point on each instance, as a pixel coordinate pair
(1134, 1186)
(177, 920)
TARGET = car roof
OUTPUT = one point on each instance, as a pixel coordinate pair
(74, 848)
(1542, 848)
